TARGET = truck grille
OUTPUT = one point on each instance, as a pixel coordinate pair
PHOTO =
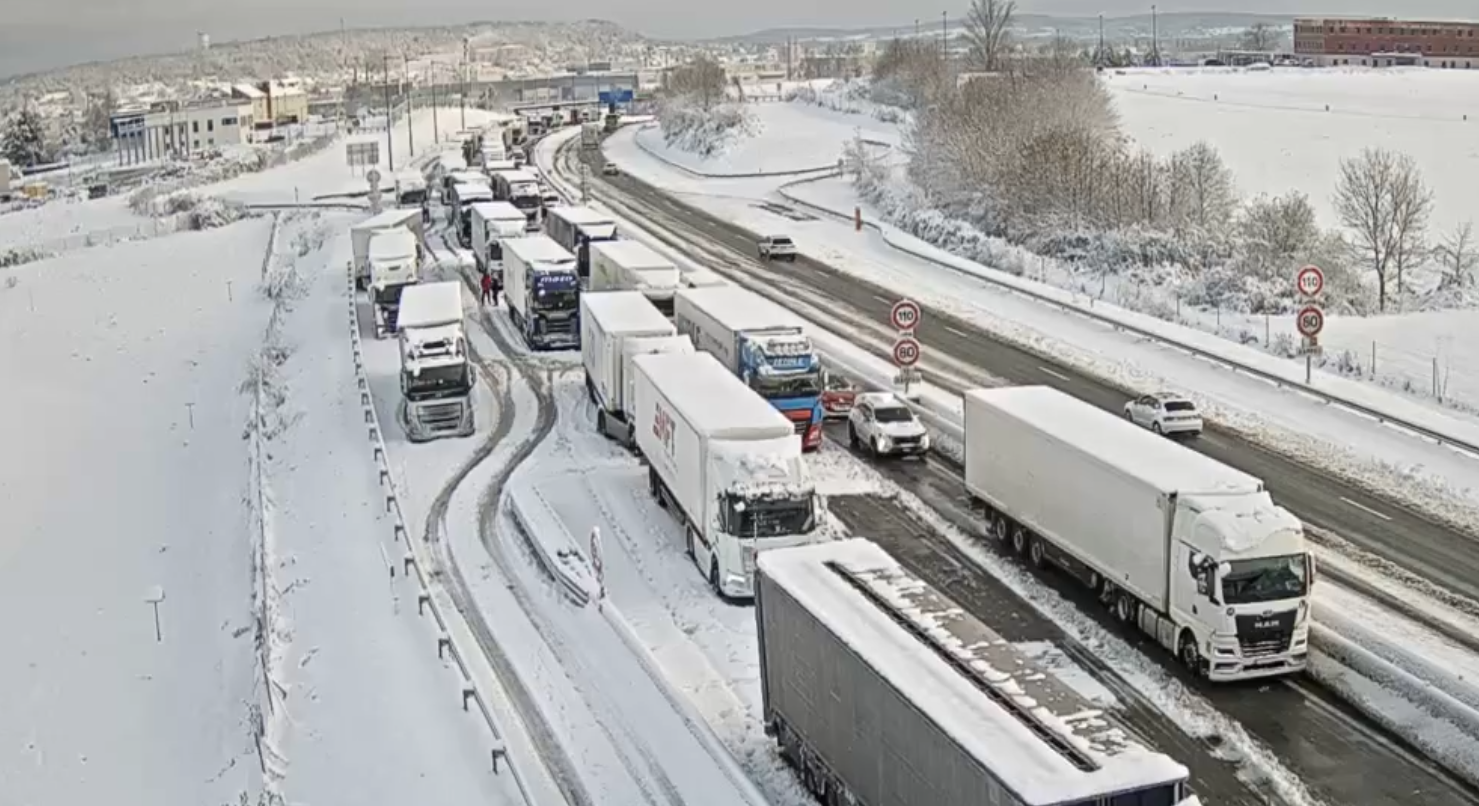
(440, 416)
(1260, 635)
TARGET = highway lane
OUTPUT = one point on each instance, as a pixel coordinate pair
(1341, 755)
(1369, 520)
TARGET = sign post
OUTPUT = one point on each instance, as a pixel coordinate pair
(373, 179)
(1310, 321)
(905, 316)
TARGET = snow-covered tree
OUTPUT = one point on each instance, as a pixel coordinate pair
(24, 142)
(988, 32)
(1459, 257)
(1262, 37)
(1381, 198)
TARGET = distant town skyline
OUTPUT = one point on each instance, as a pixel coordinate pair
(42, 36)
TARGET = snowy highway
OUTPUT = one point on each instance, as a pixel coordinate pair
(1261, 730)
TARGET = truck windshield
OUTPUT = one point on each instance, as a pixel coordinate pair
(432, 381)
(1265, 579)
(769, 516)
(559, 299)
(774, 387)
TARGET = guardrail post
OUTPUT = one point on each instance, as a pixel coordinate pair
(369, 415)
(400, 533)
(363, 383)
(467, 694)
(390, 502)
(379, 454)
(409, 561)
(364, 399)
(384, 476)
(422, 600)
(374, 432)
(498, 751)
(444, 646)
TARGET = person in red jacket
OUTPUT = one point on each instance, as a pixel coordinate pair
(488, 288)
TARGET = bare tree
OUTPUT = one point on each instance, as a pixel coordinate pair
(1262, 37)
(1459, 256)
(988, 33)
(909, 73)
(1380, 196)
(1201, 189)
(701, 79)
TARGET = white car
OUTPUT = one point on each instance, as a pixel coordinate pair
(776, 247)
(1165, 413)
(888, 427)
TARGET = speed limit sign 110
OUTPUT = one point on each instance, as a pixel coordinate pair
(1310, 281)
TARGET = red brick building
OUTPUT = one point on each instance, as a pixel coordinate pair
(1376, 42)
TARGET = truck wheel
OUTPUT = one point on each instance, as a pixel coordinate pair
(655, 486)
(1125, 607)
(999, 527)
(1190, 656)
(688, 540)
(1038, 553)
(714, 577)
(1019, 540)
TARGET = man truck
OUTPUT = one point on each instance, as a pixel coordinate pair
(522, 190)
(543, 292)
(1193, 552)
(576, 228)
(727, 464)
(395, 260)
(609, 322)
(436, 376)
(492, 224)
(359, 238)
(763, 344)
(880, 689)
(633, 266)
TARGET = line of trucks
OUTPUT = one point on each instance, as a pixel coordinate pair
(437, 375)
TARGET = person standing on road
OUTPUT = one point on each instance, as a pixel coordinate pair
(497, 287)
(488, 288)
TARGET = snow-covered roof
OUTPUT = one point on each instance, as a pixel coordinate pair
(538, 248)
(389, 218)
(1153, 459)
(739, 308)
(578, 216)
(498, 211)
(474, 193)
(468, 178)
(631, 254)
(625, 312)
(923, 643)
(392, 244)
(703, 278)
(431, 305)
(711, 399)
(518, 177)
(248, 91)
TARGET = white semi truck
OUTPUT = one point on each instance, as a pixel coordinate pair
(727, 464)
(634, 266)
(1194, 552)
(543, 292)
(493, 223)
(436, 376)
(359, 237)
(577, 228)
(609, 322)
(395, 262)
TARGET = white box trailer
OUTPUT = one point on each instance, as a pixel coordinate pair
(436, 374)
(703, 278)
(395, 261)
(726, 463)
(1193, 551)
(634, 266)
(607, 320)
(492, 223)
(359, 238)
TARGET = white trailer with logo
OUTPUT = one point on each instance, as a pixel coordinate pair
(725, 462)
(492, 224)
(634, 266)
(1194, 552)
(608, 322)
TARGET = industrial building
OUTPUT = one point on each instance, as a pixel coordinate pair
(171, 130)
(1385, 42)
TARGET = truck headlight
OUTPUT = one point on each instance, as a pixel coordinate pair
(924, 441)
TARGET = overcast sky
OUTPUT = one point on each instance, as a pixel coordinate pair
(40, 34)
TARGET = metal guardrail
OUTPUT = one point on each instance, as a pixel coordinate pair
(450, 642)
(573, 585)
(1360, 408)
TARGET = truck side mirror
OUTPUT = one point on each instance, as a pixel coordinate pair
(1208, 586)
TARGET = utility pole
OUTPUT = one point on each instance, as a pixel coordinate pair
(944, 34)
(436, 128)
(462, 75)
(389, 119)
(1100, 60)
(1155, 39)
(410, 91)
(916, 28)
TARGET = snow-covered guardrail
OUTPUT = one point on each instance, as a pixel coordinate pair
(567, 565)
(455, 639)
(1434, 426)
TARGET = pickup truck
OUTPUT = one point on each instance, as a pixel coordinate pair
(777, 247)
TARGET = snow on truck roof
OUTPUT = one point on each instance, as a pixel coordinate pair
(430, 305)
(1153, 459)
(538, 248)
(632, 255)
(625, 312)
(739, 308)
(392, 243)
(497, 211)
(711, 398)
(389, 218)
(1038, 737)
(581, 216)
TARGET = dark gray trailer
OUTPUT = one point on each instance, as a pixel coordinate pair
(882, 691)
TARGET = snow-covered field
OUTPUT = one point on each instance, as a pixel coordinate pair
(124, 481)
(785, 137)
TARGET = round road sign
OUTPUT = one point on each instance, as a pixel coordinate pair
(1311, 321)
(905, 315)
(373, 178)
(906, 352)
(1310, 280)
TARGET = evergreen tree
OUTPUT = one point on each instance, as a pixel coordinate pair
(24, 143)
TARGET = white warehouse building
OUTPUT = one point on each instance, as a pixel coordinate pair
(170, 130)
